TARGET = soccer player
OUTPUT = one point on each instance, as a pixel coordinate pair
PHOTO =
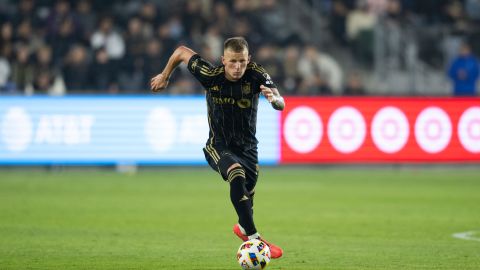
(232, 93)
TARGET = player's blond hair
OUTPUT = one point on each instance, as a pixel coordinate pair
(236, 44)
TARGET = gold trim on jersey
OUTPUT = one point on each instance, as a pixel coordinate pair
(256, 67)
(213, 153)
(211, 72)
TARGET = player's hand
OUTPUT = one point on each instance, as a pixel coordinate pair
(268, 93)
(158, 83)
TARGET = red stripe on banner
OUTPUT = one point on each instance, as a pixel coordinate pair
(380, 130)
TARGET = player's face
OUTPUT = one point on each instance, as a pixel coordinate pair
(235, 63)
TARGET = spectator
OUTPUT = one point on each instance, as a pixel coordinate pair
(135, 40)
(360, 32)
(60, 13)
(107, 37)
(87, 19)
(43, 59)
(293, 78)
(6, 41)
(6, 33)
(47, 83)
(354, 85)
(100, 76)
(338, 21)
(274, 23)
(392, 36)
(243, 28)
(25, 11)
(62, 41)
(163, 34)
(154, 60)
(192, 22)
(214, 40)
(4, 74)
(464, 72)
(43, 66)
(150, 16)
(267, 55)
(76, 69)
(22, 68)
(316, 67)
(222, 18)
(25, 33)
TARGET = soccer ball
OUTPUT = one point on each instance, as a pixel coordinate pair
(253, 254)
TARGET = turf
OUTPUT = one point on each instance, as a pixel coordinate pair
(181, 218)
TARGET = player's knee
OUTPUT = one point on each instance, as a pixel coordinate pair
(233, 166)
(238, 191)
(234, 172)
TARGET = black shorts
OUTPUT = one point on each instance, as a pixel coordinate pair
(220, 158)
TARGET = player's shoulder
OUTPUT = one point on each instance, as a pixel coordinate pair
(205, 67)
(256, 68)
(257, 72)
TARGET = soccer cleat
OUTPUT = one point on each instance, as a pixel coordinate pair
(238, 232)
(275, 251)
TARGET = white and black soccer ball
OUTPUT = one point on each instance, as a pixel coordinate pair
(253, 254)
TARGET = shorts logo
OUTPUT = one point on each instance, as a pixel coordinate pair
(246, 88)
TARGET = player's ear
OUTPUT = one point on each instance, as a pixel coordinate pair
(223, 60)
(249, 57)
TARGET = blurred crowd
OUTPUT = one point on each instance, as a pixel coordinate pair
(57, 47)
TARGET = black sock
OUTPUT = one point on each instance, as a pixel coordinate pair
(241, 200)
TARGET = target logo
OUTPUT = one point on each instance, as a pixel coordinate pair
(469, 129)
(433, 130)
(390, 130)
(346, 129)
(381, 130)
(303, 129)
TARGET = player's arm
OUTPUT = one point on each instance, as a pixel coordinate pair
(274, 97)
(181, 54)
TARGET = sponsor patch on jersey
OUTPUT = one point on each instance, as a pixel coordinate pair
(244, 103)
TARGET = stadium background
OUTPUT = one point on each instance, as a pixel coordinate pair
(375, 83)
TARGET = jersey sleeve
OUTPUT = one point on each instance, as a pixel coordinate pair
(262, 76)
(201, 69)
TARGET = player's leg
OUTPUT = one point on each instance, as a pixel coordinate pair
(251, 173)
(250, 165)
(252, 170)
(233, 172)
(251, 181)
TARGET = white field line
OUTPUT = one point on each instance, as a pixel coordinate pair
(471, 236)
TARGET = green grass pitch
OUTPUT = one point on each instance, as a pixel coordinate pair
(181, 218)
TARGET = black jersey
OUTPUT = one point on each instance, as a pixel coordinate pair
(232, 106)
